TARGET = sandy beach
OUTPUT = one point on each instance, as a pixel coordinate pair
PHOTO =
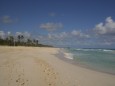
(39, 66)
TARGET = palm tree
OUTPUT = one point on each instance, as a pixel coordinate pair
(22, 37)
(11, 40)
(19, 37)
(29, 42)
(22, 41)
(37, 42)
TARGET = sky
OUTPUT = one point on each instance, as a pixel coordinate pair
(61, 23)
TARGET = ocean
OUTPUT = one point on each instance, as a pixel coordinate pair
(102, 60)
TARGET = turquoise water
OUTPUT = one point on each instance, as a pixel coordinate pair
(98, 59)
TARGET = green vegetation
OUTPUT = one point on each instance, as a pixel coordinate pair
(20, 41)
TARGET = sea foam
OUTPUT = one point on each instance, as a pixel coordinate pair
(68, 55)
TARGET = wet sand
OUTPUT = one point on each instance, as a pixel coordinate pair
(33, 66)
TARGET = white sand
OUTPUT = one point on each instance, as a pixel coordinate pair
(28, 66)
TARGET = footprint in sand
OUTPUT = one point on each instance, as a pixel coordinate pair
(50, 74)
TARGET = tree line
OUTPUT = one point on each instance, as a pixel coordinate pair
(20, 41)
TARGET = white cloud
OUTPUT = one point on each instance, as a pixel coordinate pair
(57, 36)
(63, 34)
(6, 19)
(9, 33)
(52, 14)
(109, 19)
(18, 33)
(2, 34)
(107, 28)
(79, 34)
(49, 36)
(76, 33)
(51, 26)
(65, 38)
(26, 34)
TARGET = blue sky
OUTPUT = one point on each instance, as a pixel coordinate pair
(75, 23)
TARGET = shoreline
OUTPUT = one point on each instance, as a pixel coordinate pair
(31, 66)
(62, 55)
